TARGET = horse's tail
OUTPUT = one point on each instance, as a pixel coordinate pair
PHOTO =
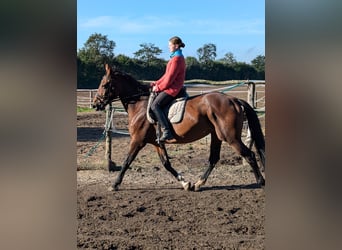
(255, 129)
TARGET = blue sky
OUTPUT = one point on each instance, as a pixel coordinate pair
(232, 25)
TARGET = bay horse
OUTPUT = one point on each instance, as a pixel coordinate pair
(213, 113)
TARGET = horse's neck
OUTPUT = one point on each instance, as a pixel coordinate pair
(136, 107)
(130, 99)
(136, 112)
(132, 95)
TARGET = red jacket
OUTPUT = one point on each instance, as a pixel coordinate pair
(173, 79)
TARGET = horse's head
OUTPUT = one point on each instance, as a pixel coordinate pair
(106, 91)
(116, 84)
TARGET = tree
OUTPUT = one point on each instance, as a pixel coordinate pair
(190, 61)
(259, 63)
(193, 68)
(97, 49)
(148, 53)
(123, 61)
(244, 71)
(207, 53)
(229, 59)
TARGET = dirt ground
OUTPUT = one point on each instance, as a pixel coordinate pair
(151, 210)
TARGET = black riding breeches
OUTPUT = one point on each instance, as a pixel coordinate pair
(161, 101)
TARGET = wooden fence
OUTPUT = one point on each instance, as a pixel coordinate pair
(251, 91)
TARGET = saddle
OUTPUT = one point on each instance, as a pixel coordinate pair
(174, 111)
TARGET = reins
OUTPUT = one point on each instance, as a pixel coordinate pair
(136, 95)
(145, 93)
(129, 97)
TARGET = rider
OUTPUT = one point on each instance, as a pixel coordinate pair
(169, 85)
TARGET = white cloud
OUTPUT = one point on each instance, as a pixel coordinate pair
(227, 27)
(101, 21)
(128, 25)
(250, 50)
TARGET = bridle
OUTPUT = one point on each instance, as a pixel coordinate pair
(106, 97)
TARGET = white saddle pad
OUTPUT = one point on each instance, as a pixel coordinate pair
(175, 112)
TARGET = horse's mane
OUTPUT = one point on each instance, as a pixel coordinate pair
(139, 86)
(131, 90)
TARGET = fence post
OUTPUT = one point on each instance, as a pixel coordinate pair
(251, 100)
(108, 128)
(251, 93)
(91, 98)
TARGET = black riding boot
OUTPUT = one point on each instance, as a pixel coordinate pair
(164, 125)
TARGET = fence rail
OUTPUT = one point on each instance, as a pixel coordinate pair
(253, 92)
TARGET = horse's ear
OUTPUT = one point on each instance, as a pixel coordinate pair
(107, 69)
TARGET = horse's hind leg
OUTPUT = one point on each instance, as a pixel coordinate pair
(214, 157)
(249, 156)
(249, 142)
(164, 158)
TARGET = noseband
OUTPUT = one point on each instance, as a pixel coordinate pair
(104, 97)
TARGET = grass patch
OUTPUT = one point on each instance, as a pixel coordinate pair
(84, 109)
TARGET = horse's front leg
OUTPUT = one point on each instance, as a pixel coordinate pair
(164, 158)
(134, 149)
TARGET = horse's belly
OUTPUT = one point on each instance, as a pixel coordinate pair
(190, 131)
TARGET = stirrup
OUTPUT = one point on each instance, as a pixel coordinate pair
(166, 136)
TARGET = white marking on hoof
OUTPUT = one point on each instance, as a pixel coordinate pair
(198, 185)
(180, 177)
(186, 185)
(110, 188)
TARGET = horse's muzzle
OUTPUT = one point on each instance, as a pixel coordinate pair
(95, 107)
(98, 106)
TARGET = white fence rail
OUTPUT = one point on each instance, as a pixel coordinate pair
(85, 96)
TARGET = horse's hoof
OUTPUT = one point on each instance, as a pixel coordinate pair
(261, 183)
(198, 184)
(197, 188)
(187, 186)
(113, 188)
